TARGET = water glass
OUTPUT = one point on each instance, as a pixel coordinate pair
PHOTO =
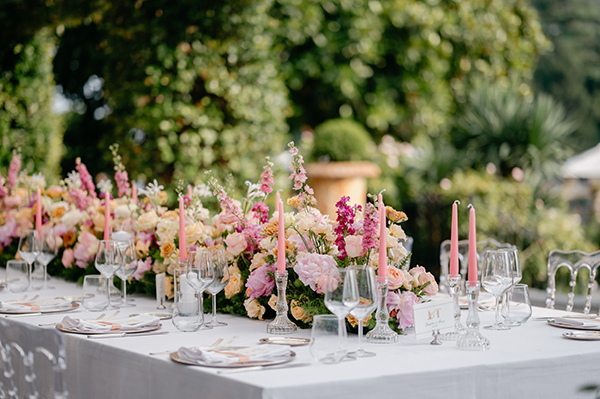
(327, 345)
(496, 278)
(17, 275)
(95, 293)
(519, 310)
(187, 315)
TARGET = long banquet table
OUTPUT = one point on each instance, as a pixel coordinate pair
(531, 361)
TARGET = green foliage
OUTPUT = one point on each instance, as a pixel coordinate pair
(339, 140)
(509, 212)
(500, 126)
(26, 118)
(400, 66)
(571, 72)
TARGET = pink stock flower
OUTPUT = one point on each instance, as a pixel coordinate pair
(260, 283)
(13, 171)
(298, 175)
(267, 178)
(123, 185)
(7, 232)
(262, 211)
(227, 204)
(79, 198)
(86, 179)
(143, 267)
(345, 224)
(401, 307)
(313, 270)
(370, 224)
(68, 258)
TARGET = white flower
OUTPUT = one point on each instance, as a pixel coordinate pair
(202, 190)
(104, 186)
(254, 191)
(73, 180)
(71, 218)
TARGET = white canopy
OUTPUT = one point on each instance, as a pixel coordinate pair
(583, 166)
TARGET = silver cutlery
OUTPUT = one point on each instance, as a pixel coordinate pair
(574, 316)
(260, 368)
(126, 334)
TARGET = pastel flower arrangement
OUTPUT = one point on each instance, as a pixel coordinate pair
(315, 244)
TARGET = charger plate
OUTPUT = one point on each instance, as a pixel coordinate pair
(60, 327)
(284, 359)
(57, 310)
(555, 323)
(583, 336)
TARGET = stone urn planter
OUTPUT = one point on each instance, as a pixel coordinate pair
(333, 180)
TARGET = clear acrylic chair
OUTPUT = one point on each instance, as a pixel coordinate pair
(574, 261)
(24, 350)
(483, 246)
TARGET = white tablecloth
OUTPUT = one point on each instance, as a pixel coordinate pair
(531, 361)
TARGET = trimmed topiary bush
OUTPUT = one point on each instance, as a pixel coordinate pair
(341, 140)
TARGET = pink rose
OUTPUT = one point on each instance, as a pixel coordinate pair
(13, 200)
(313, 270)
(432, 288)
(401, 307)
(236, 243)
(300, 246)
(395, 278)
(228, 218)
(417, 273)
(60, 229)
(354, 246)
(68, 258)
(260, 283)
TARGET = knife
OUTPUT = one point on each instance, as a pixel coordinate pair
(259, 368)
(126, 334)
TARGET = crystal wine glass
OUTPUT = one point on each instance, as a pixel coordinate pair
(198, 276)
(129, 266)
(48, 251)
(341, 294)
(367, 291)
(108, 261)
(29, 246)
(216, 260)
(496, 278)
(516, 274)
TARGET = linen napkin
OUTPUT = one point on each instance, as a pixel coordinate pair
(224, 356)
(569, 322)
(127, 324)
(35, 306)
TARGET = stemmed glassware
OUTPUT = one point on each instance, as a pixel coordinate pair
(341, 295)
(108, 261)
(29, 246)
(367, 291)
(48, 251)
(129, 265)
(198, 275)
(496, 278)
(216, 261)
(516, 274)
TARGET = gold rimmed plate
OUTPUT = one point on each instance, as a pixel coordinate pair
(60, 328)
(583, 335)
(291, 341)
(57, 310)
(582, 327)
(162, 316)
(280, 360)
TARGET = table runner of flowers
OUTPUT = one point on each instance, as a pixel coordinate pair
(247, 229)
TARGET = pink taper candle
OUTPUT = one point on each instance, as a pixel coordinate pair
(382, 271)
(280, 239)
(38, 212)
(106, 216)
(454, 240)
(134, 192)
(472, 246)
(182, 243)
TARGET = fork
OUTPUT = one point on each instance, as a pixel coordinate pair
(213, 345)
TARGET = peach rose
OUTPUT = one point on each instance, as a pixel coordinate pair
(273, 302)
(228, 218)
(147, 221)
(236, 243)
(142, 247)
(193, 233)
(71, 218)
(397, 231)
(68, 258)
(254, 308)
(167, 249)
(354, 245)
(58, 212)
(432, 289)
(159, 267)
(417, 273)
(54, 191)
(354, 321)
(98, 220)
(299, 313)
(257, 261)
(69, 238)
(24, 215)
(234, 286)
(395, 277)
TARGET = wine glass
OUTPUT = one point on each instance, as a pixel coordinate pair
(367, 291)
(516, 274)
(199, 276)
(129, 266)
(341, 295)
(48, 252)
(29, 246)
(108, 261)
(216, 260)
(496, 278)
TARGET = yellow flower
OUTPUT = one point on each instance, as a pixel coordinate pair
(58, 213)
(167, 249)
(234, 286)
(294, 202)
(394, 215)
(299, 313)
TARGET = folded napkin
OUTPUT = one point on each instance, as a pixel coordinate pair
(569, 322)
(130, 323)
(35, 306)
(224, 356)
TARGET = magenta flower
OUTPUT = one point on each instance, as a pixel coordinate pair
(345, 224)
(260, 283)
(261, 210)
(370, 225)
(86, 179)
(79, 198)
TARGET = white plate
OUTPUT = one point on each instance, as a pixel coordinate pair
(57, 310)
(584, 327)
(284, 359)
(59, 327)
(291, 341)
(583, 336)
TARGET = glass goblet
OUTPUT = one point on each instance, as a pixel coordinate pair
(367, 291)
(129, 265)
(496, 278)
(341, 295)
(216, 260)
(108, 261)
(48, 251)
(516, 274)
(29, 247)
